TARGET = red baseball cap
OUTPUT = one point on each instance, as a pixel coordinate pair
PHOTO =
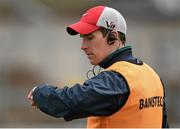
(96, 17)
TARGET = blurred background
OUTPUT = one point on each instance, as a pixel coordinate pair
(35, 48)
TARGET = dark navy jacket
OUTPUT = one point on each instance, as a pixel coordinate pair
(101, 95)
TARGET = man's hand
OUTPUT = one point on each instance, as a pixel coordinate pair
(30, 97)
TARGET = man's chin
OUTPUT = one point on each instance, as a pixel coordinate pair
(93, 63)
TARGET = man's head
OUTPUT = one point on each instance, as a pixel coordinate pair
(103, 31)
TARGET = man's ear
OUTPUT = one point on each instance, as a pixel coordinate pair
(112, 36)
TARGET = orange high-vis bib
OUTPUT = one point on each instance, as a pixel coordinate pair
(144, 106)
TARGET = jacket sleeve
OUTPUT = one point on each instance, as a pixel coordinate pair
(165, 123)
(102, 95)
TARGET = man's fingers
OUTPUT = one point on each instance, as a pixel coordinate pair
(30, 95)
(32, 103)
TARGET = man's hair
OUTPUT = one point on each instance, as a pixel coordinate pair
(105, 31)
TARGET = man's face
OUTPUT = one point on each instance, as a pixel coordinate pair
(95, 47)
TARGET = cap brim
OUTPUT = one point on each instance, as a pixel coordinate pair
(81, 28)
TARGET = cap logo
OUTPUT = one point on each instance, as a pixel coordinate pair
(110, 25)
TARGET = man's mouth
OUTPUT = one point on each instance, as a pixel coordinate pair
(89, 55)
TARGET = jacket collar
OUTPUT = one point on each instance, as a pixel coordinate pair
(122, 54)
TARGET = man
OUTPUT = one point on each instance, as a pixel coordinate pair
(127, 93)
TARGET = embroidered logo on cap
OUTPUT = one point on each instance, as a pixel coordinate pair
(110, 25)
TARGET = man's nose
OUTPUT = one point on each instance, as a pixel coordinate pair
(84, 45)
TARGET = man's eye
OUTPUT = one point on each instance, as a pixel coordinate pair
(89, 37)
